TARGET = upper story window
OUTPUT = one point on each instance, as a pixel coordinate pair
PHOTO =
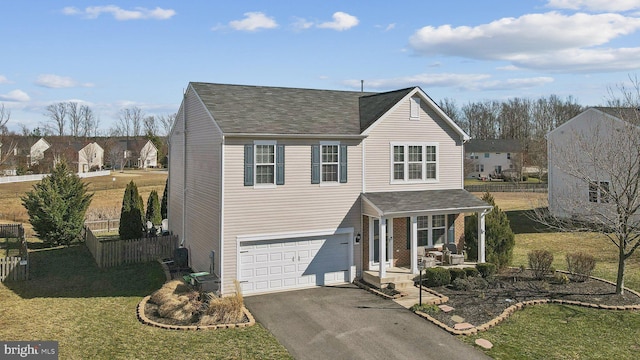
(486, 155)
(416, 162)
(509, 156)
(599, 191)
(473, 156)
(328, 163)
(414, 112)
(263, 164)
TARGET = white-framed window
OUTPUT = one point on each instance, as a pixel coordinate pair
(329, 162)
(432, 230)
(479, 168)
(486, 155)
(509, 156)
(473, 156)
(599, 191)
(263, 164)
(414, 162)
(414, 112)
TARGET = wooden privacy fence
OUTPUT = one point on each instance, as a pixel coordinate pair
(114, 252)
(507, 187)
(14, 267)
(103, 225)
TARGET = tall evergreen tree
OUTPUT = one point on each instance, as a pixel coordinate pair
(132, 214)
(165, 198)
(499, 237)
(153, 208)
(57, 205)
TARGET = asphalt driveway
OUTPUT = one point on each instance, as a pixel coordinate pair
(346, 322)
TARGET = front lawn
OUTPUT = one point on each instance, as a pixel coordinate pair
(91, 313)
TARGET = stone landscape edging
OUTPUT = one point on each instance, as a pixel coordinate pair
(373, 290)
(145, 320)
(515, 307)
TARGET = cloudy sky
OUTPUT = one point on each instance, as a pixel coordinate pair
(117, 54)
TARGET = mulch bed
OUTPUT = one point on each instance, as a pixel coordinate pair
(512, 286)
(151, 312)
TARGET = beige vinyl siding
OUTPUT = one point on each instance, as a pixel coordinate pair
(296, 206)
(201, 233)
(368, 209)
(396, 127)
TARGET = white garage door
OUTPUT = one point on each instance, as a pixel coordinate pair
(286, 264)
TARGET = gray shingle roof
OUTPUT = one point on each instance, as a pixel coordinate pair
(629, 114)
(277, 110)
(493, 145)
(394, 202)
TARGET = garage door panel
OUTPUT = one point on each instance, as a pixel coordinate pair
(293, 263)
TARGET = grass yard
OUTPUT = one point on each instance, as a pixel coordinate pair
(91, 312)
(563, 332)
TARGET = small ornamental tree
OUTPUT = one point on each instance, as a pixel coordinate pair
(131, 216)
(165, 198)
(153, 208)
(499, 237)
(57, 205)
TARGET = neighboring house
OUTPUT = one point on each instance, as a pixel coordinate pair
(148, 155)
(284, 188)
(84, 155)
(36, 152)
(137, 153)
(490, 158)
(588, 159)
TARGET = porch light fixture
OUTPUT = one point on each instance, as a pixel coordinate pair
(357, 238)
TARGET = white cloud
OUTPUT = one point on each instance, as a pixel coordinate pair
(390, 27)
(15, 95)
(253, 21)
(302, 24)
(4, 80)
(118, 13)
(531, 39)
(58, 82)
(510, 84)
(341, 21)
(595, 5)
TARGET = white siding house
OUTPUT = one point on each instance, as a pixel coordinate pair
(490, 158)
(590, 159)
(278, 187)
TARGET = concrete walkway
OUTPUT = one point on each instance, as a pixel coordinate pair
(346, 322)
(413, 297)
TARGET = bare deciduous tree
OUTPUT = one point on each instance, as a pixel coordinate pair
(73, 112)
(166, 121)
(57, 114)
(6, 147)
(150, 126)
(89, 123)
(130, 121)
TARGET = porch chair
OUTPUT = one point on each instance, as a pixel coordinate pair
(423, 256)
(453, 257)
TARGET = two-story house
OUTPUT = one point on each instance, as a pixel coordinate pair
(284, 188)
(490, 158)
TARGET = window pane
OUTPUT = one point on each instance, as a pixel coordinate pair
(431, 171)
(604, 191)
(415, 171)
(329, 172)
(398, 171)
(437, 220)
(415, 153)
(329, 153)
(264, 174)
(431, 153)
(593, 192)
(423, 237)
(423, 222)
(264, 154)
(438, 236)
(398, 153)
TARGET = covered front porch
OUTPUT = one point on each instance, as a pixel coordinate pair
(413, 223)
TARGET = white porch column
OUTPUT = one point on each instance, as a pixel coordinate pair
(414, 244)
(481, 236)
(382, 248)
